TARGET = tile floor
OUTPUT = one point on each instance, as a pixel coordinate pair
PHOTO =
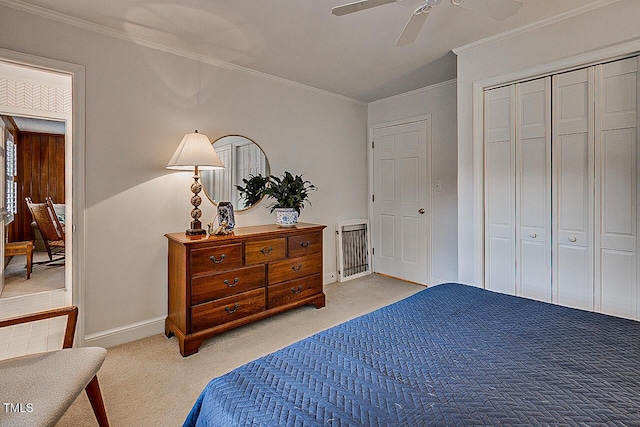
(34, 337)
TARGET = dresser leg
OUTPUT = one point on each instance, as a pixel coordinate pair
(167, 330)
(320, 301)
(189, 346)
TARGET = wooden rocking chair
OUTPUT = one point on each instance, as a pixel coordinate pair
(50, 227)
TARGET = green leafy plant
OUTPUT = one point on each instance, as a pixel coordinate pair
(253, 189)
(288, 191)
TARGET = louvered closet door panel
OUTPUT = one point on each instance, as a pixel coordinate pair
(500, 190)
(616, 188)
(572, 189)
(533, 187)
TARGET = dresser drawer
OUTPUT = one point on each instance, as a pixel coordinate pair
(225, 310)
(216, 258)
(290, 292)
(227, 283)
(290, 269)
(304, 244)
(261, 251)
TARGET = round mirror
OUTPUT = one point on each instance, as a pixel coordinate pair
(242, 158)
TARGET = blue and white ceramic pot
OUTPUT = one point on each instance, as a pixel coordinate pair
(286, 217)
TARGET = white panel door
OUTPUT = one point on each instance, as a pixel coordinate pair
(500, 190)
(616, 188)
(572, 189)
(401, 209)
(533, 189)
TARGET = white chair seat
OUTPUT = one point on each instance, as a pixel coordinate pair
(49, 382)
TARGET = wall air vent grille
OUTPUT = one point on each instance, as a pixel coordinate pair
(354, 249)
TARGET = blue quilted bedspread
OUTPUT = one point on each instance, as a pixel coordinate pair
(451, 355)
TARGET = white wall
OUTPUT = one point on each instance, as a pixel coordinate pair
(439, 101)
(139, 104)
(522, 55)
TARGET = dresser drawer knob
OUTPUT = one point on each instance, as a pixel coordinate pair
(296, 290)
(231, 284)
(296, 268)
(232, 310)
(305, 244)
(266, 251)
(217, 261)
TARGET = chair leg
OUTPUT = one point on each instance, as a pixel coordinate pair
(48, 251)
(29, 259)
(95, 398)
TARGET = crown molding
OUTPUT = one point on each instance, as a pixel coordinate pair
(184, 53)
(530, 27)
(415, 91)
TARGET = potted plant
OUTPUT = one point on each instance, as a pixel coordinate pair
(289, 194)
(253, 189)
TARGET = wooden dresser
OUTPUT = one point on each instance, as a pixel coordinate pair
(222, 282)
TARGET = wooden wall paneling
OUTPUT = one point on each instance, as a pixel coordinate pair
(40, 175)
(60, 168)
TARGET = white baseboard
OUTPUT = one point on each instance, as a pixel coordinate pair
(127, 333)
(146, 328)
(330, 277)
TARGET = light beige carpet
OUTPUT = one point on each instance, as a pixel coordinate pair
(148, 382)
(44, 277)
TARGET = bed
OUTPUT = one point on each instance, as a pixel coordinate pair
(451, 355)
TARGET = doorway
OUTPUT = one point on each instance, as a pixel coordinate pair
(40, 88)
(35, 169)
(401, 201)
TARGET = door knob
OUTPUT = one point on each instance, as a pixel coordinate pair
(572, 239)
(421, 211)
(533, 235)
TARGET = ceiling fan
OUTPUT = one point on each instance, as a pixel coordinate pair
(496, 9)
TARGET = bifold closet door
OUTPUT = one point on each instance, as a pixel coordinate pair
(500, 190)
(573, 188)
(517, 187)
(616, 188)
(533, 188)
(561, 189)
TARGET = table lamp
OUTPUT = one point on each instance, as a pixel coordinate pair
(195, 152)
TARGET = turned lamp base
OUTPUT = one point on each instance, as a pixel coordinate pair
(196, 226)
(195, 232)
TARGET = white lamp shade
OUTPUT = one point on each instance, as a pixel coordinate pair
(195, 150)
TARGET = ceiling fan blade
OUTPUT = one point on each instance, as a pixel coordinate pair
(358, 6)
(496, 9)
(413, 27)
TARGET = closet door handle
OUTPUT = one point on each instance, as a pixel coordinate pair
(533, 235)
(573, 239)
